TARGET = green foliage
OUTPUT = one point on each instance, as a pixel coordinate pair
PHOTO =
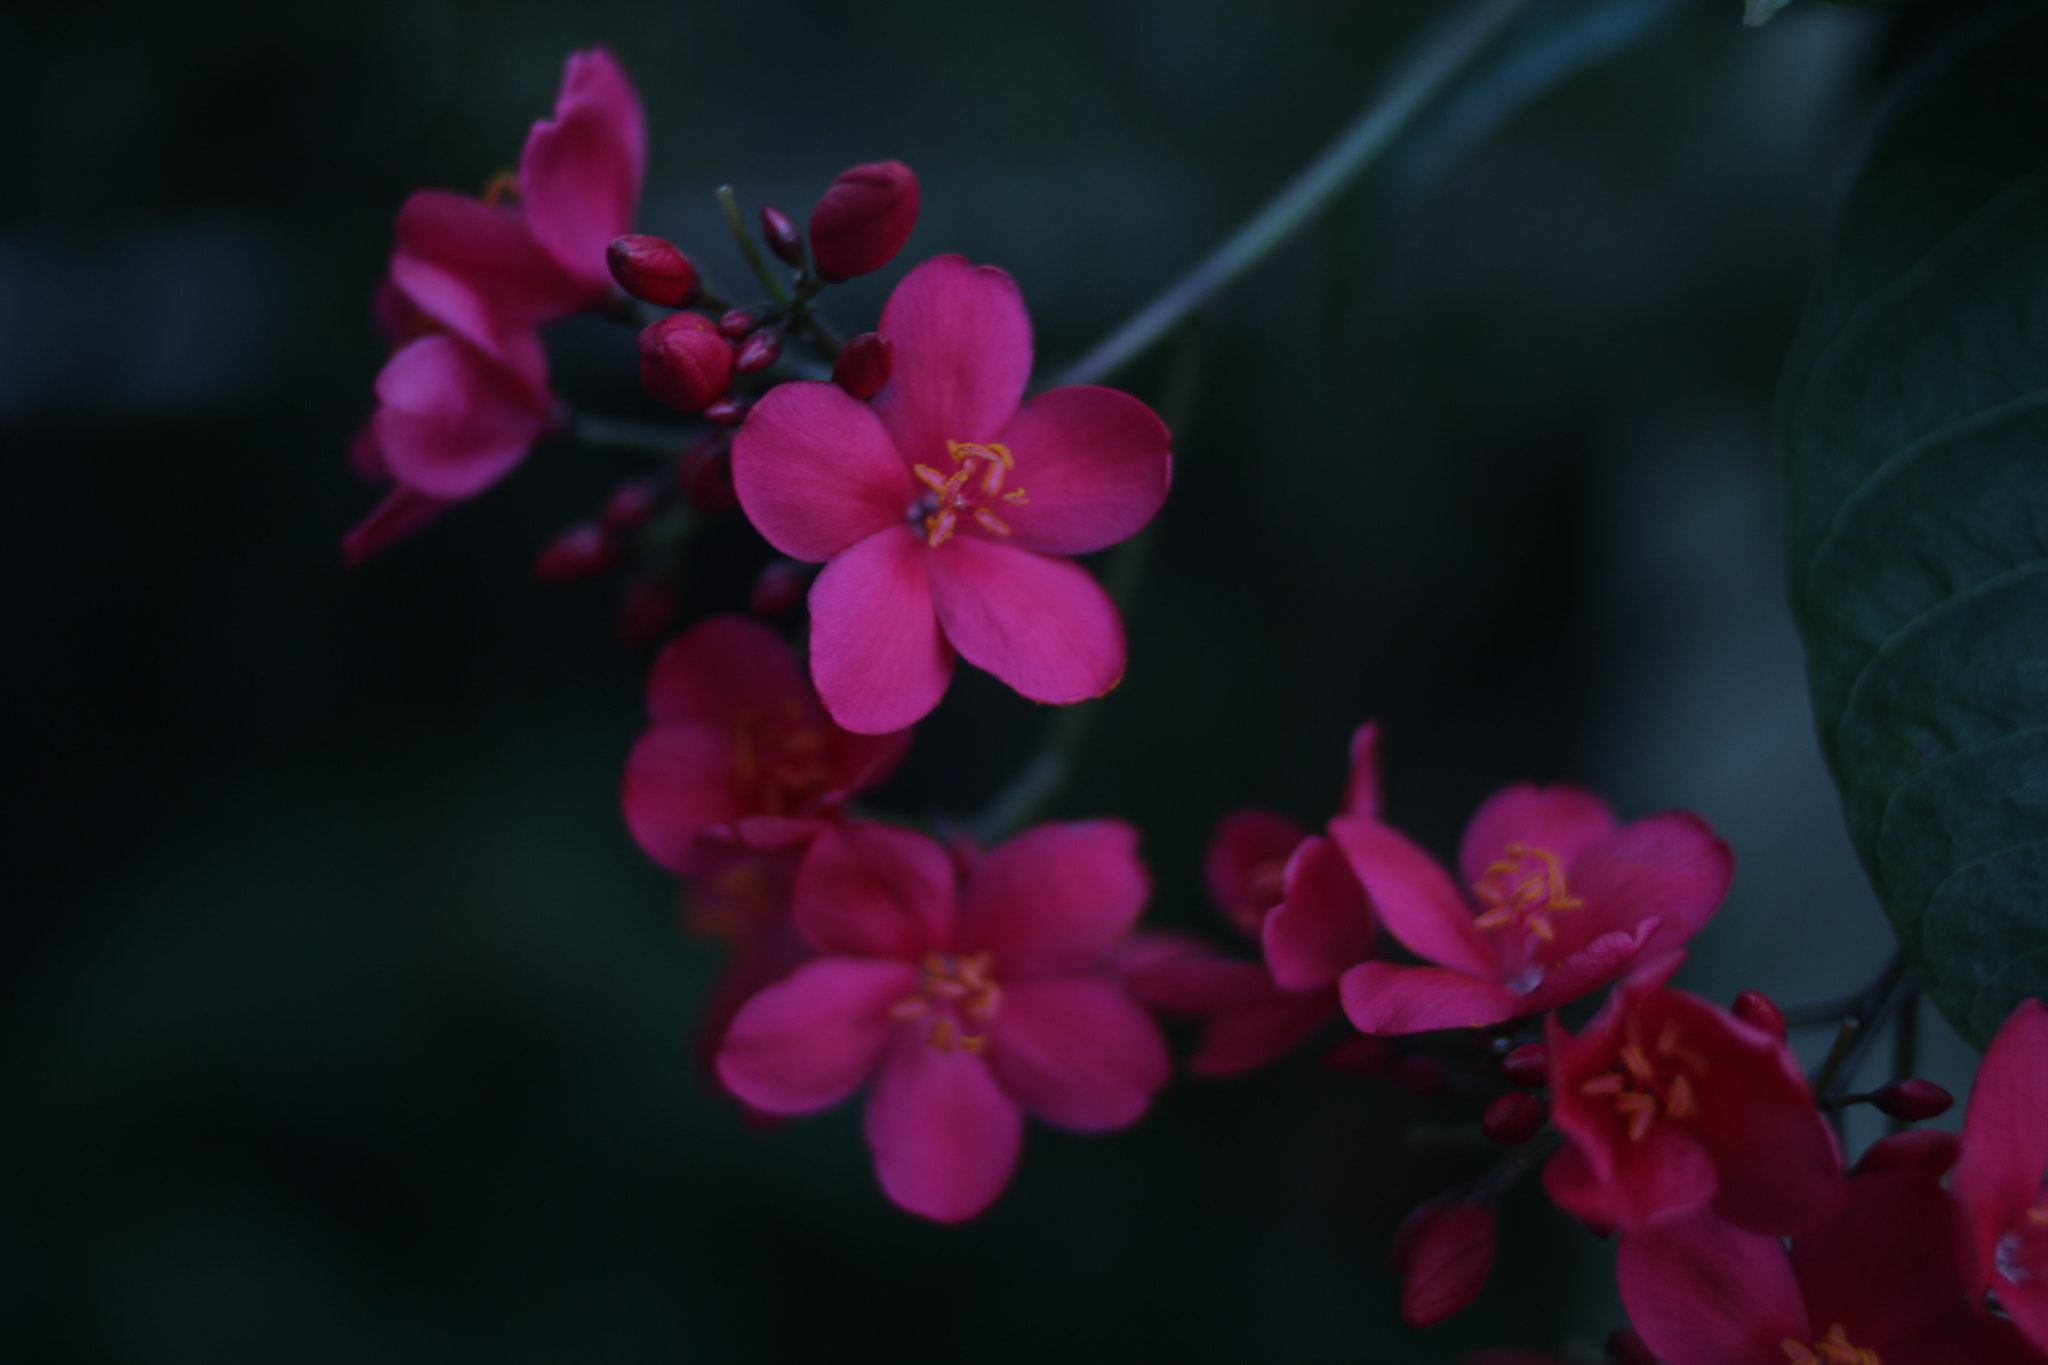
(1914, 422)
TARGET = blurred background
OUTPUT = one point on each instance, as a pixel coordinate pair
(342, 1018)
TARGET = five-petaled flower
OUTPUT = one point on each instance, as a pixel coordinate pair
(944, 509)
(968, 1005)
(1999, 1176)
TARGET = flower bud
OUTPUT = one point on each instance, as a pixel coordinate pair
(1512, 1119)
(685, 362)
(1527, 1066)
(1443, 1254)
(758, 352)
(864, 364)
(863, 220)
(652, 270)
(705, 472)
(631, 504)
(1759, 1011)
(582, 551)
(780, 234)
(1912, 1100)
(780, 587)
(735, 323)
(1626, 1348)
(646, 611)
(727, 411)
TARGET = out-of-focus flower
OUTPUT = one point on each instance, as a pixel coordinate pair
(1443, 1254)
(1998, 1178)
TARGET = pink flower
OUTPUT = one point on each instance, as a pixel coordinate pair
(1877, 1284)
(740, 755)
(944, 510)
(453, 420)
(1998, 1178)
(1667, 1103)
(1561, 902)
(1323, 925)
(967, 1006)
(491, 272)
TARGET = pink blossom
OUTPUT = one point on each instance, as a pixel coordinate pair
(1668, 1103)
(1559, 903)
(967, 1005)
(740, 755)
(453, 420)
(945, 509)
(1324, 923)
(1998, 1178)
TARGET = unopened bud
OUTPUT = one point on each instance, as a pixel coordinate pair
(727, 411)
(780, 587)
(758, 352)
(1443, 1254)
(582, 551)
(1912, 1100)
(1512, 1119)
(1759, 1011)
(629, 507)
(648, 608)
(735, 323)
(652, 270)
(780, 234)
(685, 362)
(864, 365)
(1527, 1066)
(1626, 1348)
(1916, 1149)
(864, 219)
(705, 472)
(1360, 1056)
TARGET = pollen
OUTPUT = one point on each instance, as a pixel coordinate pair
(780, 765)
(958, 996)
(974, 488)
(1832, 1349)
(1648, 1081)
(1523, 888)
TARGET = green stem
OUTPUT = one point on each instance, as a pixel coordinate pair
(729, 204)
(1437, 60)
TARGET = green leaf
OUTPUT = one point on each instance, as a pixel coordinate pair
(1913, 420)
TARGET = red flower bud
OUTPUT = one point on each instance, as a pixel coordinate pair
(758, 352)
(1360, 1056)
(647, 610)
(579, 552)
(728, 411)
(652, 270)
(705, 472)
(864, 219)
(1626, 1348)
(1527, 1066)
(1512, 1119)
(1443, 1253)
(780, 234)
(735, 323)
(1758, 1011)
(780, 587)
(864, 364)
(685, 362)
(1912, 1100)
(630, 506)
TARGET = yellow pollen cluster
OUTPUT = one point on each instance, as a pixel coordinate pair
(961, 493)
(1648, 1080)
(1832, 1349)
(1524, 885)
(780, 767)
(957, 993)
(503, 190)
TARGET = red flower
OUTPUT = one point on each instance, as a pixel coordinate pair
(1323, 925)
(944, 510)
(1668, 1103)
(968, 1005)
(1561, 902)
(1998, 1178)
(453, 420)
(1878, 1284)
(739, 755)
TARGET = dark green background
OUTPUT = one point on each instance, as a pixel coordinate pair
(344, 1022)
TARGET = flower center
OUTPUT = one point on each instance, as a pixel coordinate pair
(1522, 889)
(779, 768)
(974, 489)
(1832, 1349)
(958, 996)
(1644, 1082)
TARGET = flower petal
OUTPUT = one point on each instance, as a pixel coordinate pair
(1323, 925)
(875, 891)
(477, 270)
(580, 173)
(1560, 820)
(1076, 1051)
(2005, 1133)
(1246, 863)
(1383, 999)
(944, 1134)
(1415, 897)
(1042, 625)
(1095, 465)
(402, 513)
(678, 781)
(1245, 1037)
(1054, 899)
(877, 656)
(1703, 1293)
(453, 420)
(1667, 867)
(1885, 1263)
(816, 472)
(962, 343)
(723, 668)
(810, 1039)
(1200, 982)
(1588, 969)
